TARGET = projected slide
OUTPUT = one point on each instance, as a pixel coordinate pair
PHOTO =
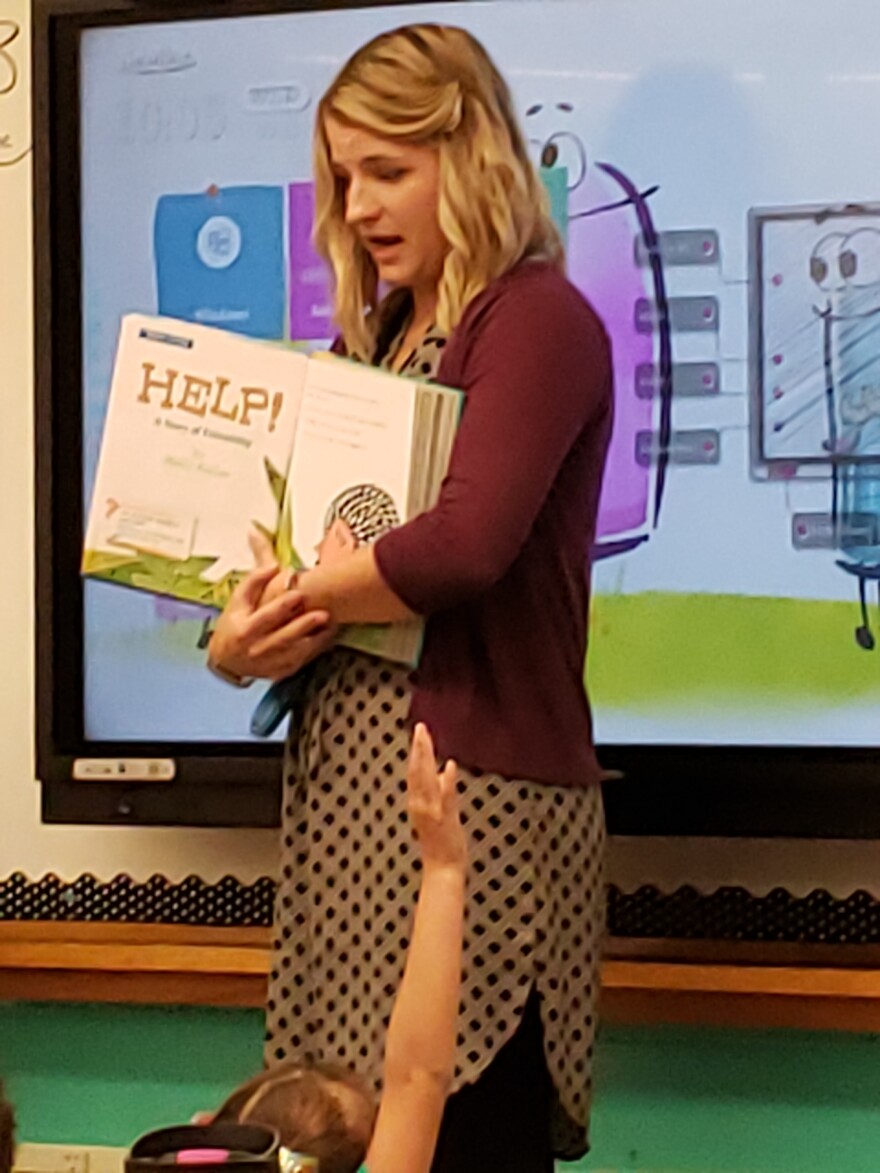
(708, 166)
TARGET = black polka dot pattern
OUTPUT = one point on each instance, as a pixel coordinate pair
(157, 900)
(727, 914)
(425, 358)
(734, 914)
(349, 881)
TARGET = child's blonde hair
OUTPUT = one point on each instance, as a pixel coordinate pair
(322, 1110)
(433, 85)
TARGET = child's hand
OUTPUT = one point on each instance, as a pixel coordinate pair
(433, 805)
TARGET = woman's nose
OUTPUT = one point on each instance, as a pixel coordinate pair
(360, 203)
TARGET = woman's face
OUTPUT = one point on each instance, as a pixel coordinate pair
(391, 198)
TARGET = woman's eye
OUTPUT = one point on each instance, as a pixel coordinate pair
(392, 174)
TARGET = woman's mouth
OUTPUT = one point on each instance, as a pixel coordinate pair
(381, 245)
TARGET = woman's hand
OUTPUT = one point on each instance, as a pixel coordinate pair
(265, 630)
(264, 558)
(348, 586)
(433, 806)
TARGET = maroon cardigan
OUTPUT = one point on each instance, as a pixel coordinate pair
(500, 565)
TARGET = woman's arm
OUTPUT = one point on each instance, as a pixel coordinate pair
(537, 372)
(352, 590)
(271, 629)
(420, 1046)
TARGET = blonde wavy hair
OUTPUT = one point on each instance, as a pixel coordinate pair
(433, 85)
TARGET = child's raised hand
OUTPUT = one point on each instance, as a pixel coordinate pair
(433, 805)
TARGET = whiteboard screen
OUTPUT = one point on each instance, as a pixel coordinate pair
(714, 170)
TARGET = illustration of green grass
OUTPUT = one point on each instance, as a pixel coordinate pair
(163, 576)
(679, 649)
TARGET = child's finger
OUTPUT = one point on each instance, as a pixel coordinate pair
(449, 785)
(423, 740)
(449, 776)
(421, 762)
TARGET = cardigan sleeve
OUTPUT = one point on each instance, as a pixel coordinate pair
(537, 372)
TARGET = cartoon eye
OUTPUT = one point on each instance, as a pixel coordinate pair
(825, 262)
(860, 260)
(818, 270)
(564, 149)
(848, 264)
(535, 147)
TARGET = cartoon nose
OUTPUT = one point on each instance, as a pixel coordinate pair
(549, 155)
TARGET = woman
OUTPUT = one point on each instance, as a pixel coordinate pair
(424, 187)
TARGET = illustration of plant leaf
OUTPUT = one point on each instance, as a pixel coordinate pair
(277, 481)
(264, 530)
(285, 550)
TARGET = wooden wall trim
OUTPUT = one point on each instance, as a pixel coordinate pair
(184, 965)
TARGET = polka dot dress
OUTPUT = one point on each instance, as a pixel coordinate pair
(349, 882)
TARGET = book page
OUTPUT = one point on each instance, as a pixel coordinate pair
(195, 451)
(437, 414)
(350, 469)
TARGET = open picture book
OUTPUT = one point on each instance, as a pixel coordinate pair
(209, 434)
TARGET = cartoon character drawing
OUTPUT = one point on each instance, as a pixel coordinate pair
(605, 215)
(356, 516)
(846, 268)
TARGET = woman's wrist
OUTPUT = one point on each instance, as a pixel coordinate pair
(305, 582)
(227, 675)
(353, 591)
(220, 664)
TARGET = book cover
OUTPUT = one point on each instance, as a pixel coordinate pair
(196, 445)
(208, 434)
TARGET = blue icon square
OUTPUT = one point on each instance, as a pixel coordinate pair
(220, 259)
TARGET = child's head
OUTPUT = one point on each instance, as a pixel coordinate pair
(322, 1110)
(7, 1133)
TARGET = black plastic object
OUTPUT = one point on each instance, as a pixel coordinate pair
(207, 1148)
